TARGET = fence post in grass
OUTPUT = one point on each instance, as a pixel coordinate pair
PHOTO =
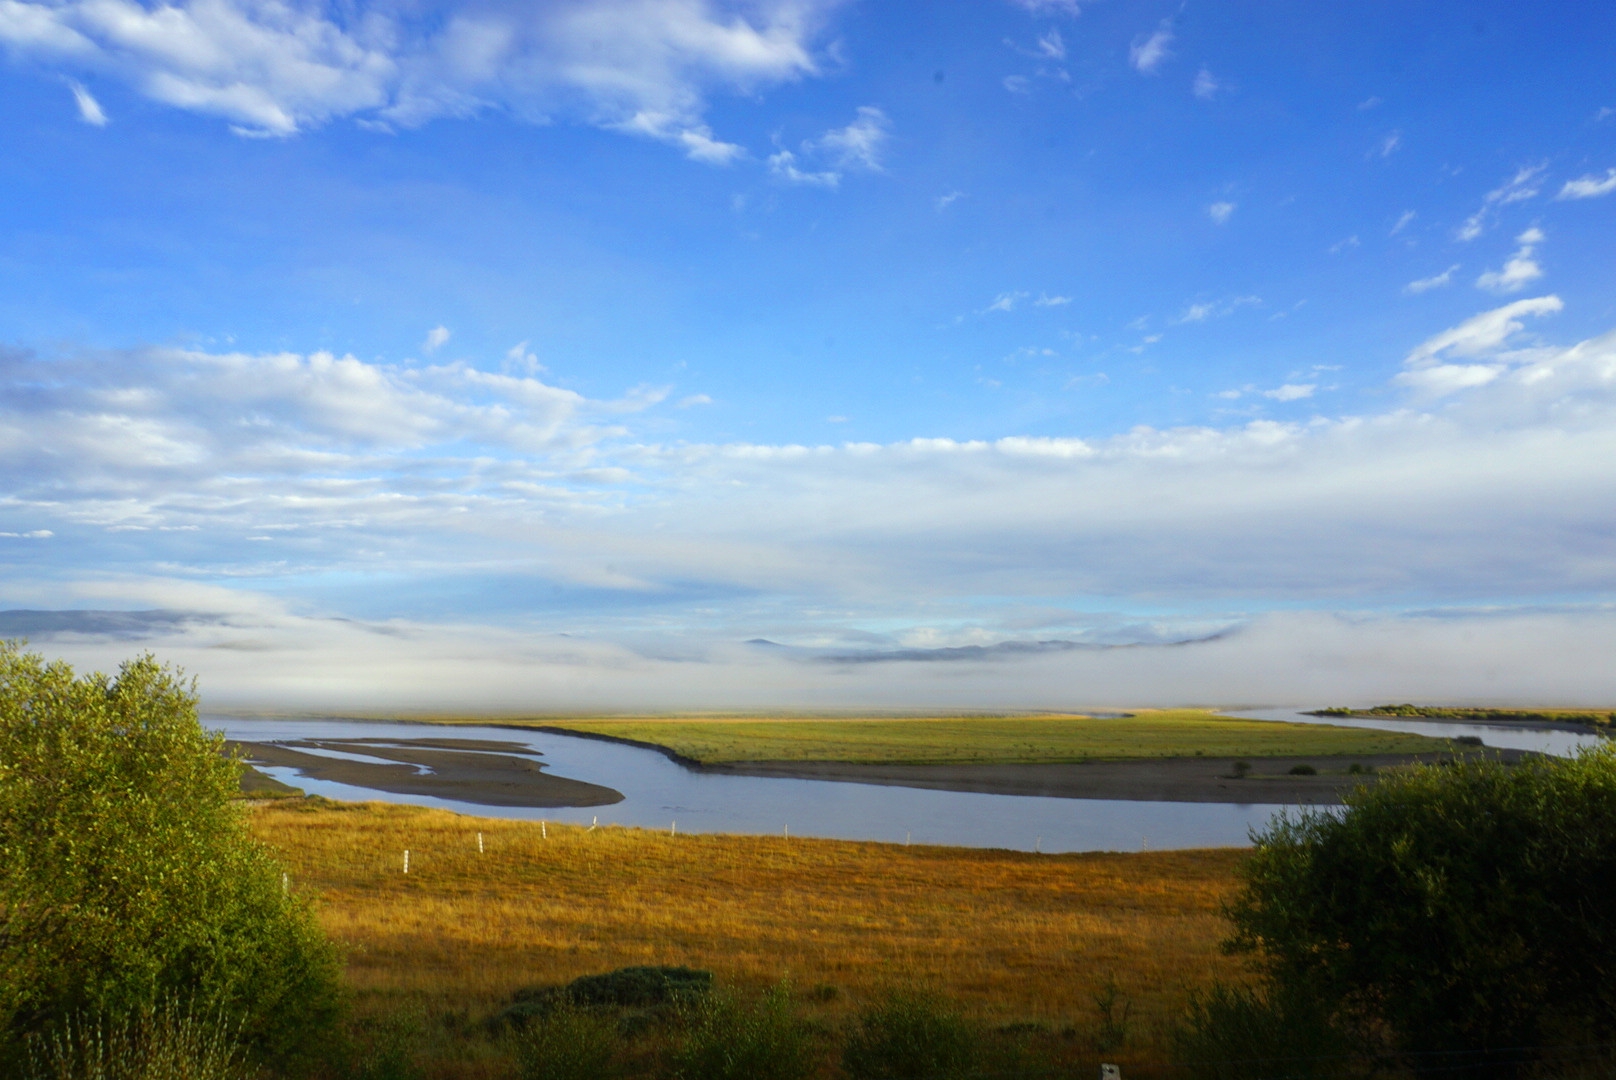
(479, 843)
(906, 837)
(406, 860)
(673, 829)
(544, 830)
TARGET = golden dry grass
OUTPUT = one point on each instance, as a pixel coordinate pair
(1010, 936)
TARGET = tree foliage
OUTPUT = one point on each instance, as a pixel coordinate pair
(1464, 909)
(128, 882)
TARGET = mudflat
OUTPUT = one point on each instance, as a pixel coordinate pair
(488, 773)
(1181, 779)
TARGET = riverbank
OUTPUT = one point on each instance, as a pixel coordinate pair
(1011, 937)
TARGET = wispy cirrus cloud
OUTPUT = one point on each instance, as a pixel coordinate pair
(1589, 187)
(1525, 184)
(275, 69)
(1150, 51)
(1435, 281)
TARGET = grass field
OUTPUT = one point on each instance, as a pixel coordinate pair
(993, 739)
(1009, 936)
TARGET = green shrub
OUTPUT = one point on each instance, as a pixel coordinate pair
(728, 1038)
(128, 881)
(567, 1043)
(1462, 910)
(1235, 1033)
(167, 1044)
(1304, 770)
(910, 1036)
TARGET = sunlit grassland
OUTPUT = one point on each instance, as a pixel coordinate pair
(994, 739)
(1010, 936)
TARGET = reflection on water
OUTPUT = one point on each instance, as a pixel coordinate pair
(658, 792)
(1504, 737)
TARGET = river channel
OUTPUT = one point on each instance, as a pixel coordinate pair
(662, 794)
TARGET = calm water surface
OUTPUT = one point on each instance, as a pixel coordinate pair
(659, 792)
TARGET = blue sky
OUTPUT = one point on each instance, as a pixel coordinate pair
(544, 355)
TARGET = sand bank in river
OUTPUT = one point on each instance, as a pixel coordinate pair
(482, 771)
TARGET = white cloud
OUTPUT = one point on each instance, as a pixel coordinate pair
(1220, 212)
(1521, 268)
(860, 144)
(1436, 281)
(35, 534)
(1291, 392)
(1524, 185)
(1050, 7)
(1589, 187)
(1481, 335)
(1342, 245)
(437, 337)
(1051, 46)
(943, 202)
(784, 166)
(1017, 84)
(272, 68)
(1368, 103)
(1205, 86)
(1389, 145)
(856, 147)
(90, 110)
(520, 359)
(1403, 222)
(1150, 51)
(1216, 309)
(1045, 300)
(694, 399)
(1005, 301)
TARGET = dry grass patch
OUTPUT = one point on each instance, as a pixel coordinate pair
(1010, 936)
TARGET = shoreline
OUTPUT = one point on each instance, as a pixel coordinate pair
(482, 773)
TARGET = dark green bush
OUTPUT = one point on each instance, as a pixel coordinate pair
(728, 1038)
(128, 881)
(910, 1036)
(1462, 911)
(1304, 770)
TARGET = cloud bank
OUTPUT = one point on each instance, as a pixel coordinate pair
(341, 527)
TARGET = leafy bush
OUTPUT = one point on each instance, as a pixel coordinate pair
(568, 1043)
(166, 1044)
(1460, 910)
(910, 1036)
(732, 1039)
(1304, 770)
(1235, 1033)
(127, 878)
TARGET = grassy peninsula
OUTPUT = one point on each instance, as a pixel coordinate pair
(998, 740)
